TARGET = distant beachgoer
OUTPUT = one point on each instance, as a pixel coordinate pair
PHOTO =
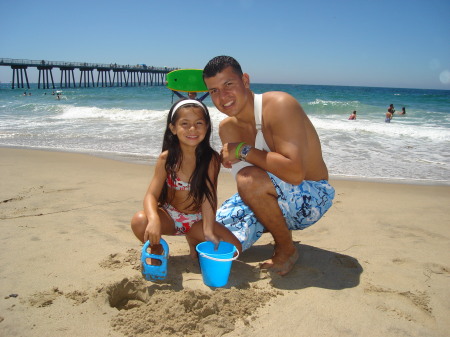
(391, 109)
(192, 95)
(388, 117)
(403, 111)
(353, 115)
(182, 196)
(390, 113)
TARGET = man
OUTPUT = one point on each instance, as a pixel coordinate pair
(275, 153)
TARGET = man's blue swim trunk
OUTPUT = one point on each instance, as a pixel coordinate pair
(302, 205)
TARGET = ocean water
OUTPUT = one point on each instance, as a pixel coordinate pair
(127, 123)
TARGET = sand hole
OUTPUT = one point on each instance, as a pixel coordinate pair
(127, 294)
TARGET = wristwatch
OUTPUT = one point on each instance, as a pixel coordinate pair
(244, 152)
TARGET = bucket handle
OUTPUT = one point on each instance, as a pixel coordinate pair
(220, 260)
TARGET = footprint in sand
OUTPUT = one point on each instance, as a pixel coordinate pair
(119, 260)
(44, 298)
(437, 268)
(408, 305)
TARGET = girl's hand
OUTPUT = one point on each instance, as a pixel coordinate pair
(152, 233)
(210, 236)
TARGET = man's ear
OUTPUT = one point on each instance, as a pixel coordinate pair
(246, 80)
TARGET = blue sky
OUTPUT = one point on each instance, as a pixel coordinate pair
(392, 43)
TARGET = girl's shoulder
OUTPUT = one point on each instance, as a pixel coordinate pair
(163, 155)
(161, 162)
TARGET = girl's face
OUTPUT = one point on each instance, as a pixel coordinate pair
(190, 126)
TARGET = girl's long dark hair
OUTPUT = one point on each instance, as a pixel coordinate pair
(201, 185)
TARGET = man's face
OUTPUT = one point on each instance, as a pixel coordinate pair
(228, 91)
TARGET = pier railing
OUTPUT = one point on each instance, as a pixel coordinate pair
(136, 75)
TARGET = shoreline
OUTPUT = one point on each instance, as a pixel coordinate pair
(147, 160)
(70, 263)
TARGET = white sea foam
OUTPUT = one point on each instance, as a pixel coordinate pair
(130, 123)
(333, 103)
(391, 130)
(115, 114)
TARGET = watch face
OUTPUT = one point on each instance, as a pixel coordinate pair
(245, 150)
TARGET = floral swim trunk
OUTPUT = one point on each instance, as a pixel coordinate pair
(302, 205)
(183, 221)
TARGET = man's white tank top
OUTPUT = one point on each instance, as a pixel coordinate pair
(260, 142)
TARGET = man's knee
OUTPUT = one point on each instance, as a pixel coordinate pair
(253, 181)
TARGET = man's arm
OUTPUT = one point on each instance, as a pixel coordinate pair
(285, 131)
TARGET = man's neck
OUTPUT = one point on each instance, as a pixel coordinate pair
(247, 115)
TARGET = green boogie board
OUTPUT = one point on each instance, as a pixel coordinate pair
(186, 80)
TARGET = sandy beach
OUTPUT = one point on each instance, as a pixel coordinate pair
(377, 264)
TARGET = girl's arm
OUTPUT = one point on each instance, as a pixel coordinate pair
(153, 230)
(208, 211)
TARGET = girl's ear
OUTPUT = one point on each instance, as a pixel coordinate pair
(172, 128)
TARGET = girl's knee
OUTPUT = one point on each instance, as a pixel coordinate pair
(138, 221)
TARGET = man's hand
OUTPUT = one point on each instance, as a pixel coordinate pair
(228, 153)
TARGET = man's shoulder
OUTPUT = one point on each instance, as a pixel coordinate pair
(277, 98)
(279, 103)
(275, 95)
(226, 122)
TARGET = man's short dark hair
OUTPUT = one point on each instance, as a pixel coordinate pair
(219, 63)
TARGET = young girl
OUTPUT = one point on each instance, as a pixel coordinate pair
(182, 196)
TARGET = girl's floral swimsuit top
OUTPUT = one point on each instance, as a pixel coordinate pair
(178, 184)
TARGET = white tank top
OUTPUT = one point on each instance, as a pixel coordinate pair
(260, 142)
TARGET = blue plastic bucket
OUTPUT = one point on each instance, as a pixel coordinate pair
(216, 264)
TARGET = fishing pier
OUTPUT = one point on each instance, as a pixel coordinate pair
(123, 75)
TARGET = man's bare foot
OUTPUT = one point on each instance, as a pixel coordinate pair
(281, 263)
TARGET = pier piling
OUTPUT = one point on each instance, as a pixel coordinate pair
(128, 75)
